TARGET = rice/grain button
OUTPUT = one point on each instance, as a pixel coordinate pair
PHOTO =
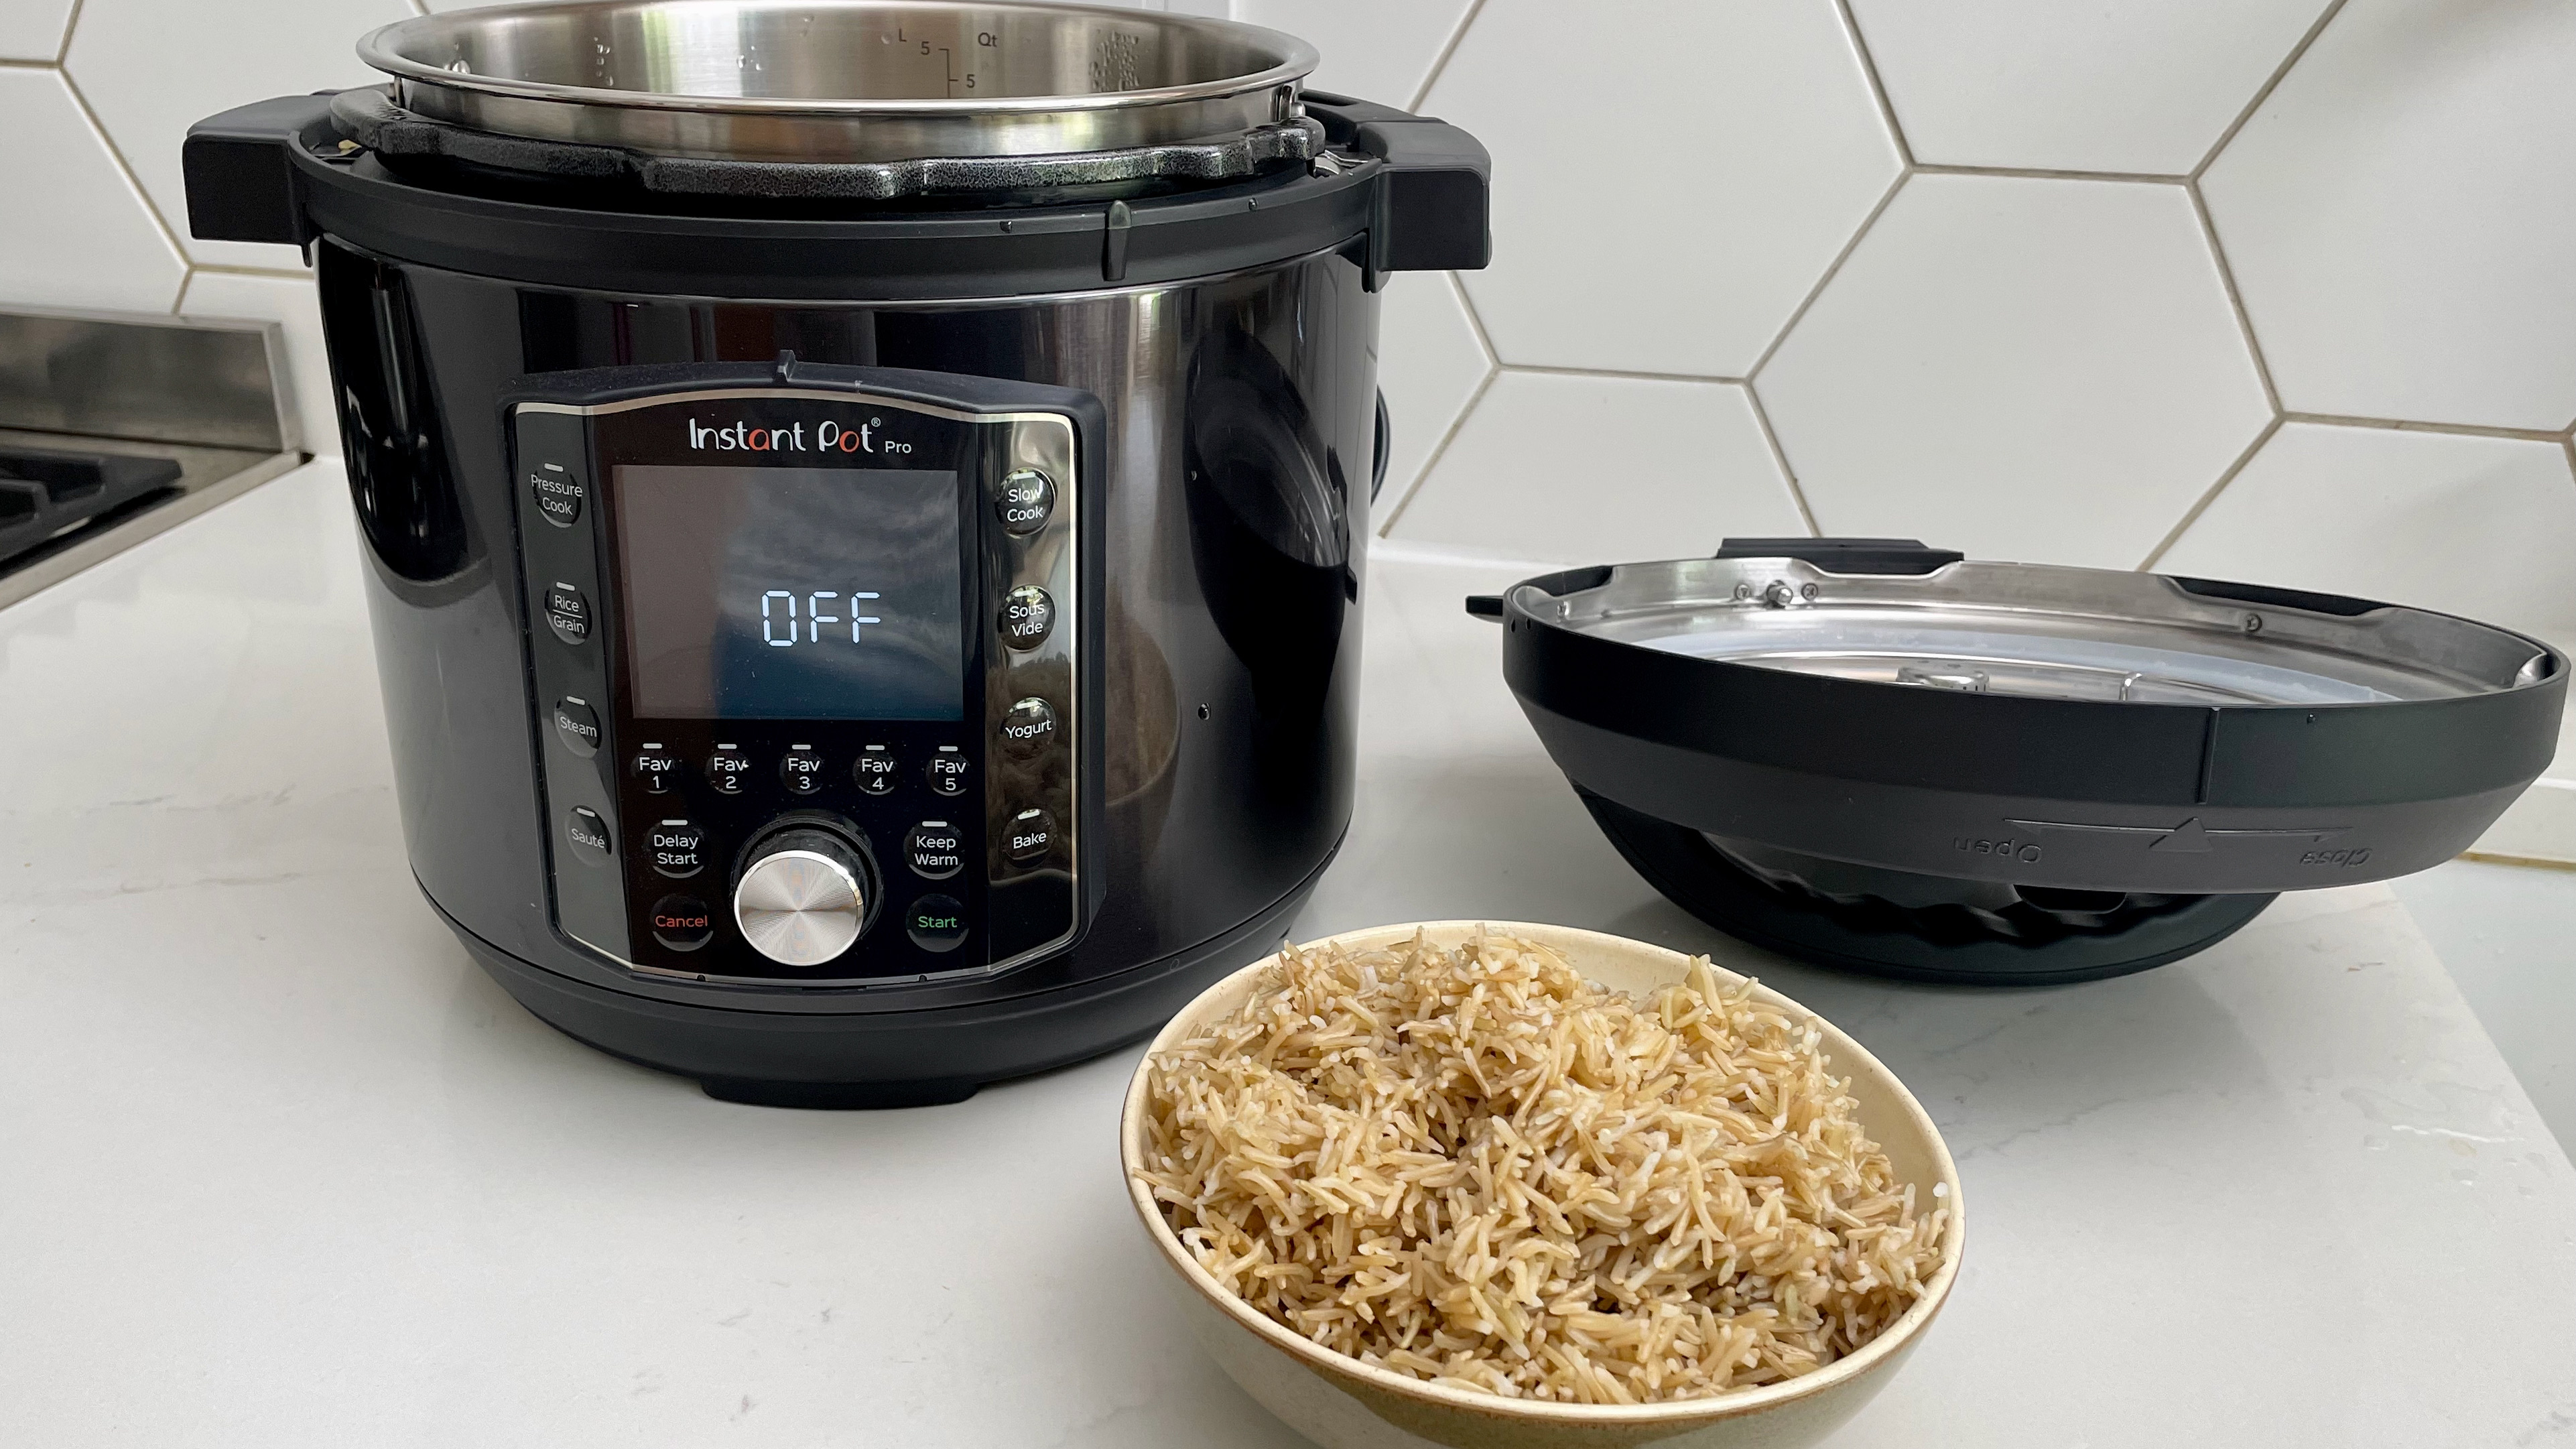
(1474, 1166)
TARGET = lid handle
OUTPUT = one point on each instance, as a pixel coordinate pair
(1847, 555)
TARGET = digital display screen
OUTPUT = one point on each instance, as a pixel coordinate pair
(791, 593)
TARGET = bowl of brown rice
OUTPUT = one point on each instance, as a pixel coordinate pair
(1508, 1186)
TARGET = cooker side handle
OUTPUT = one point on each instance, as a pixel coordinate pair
(1434, 206)
(240, 169)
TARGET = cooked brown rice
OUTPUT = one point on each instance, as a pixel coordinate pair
(1476, 1167)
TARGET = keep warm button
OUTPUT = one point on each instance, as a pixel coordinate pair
(934, 850)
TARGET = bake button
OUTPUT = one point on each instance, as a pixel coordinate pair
(935, 850)
(567, 613)
(947, 771)
(1026, 500)
(726, 769)
(874, 769)
(657, 769)
(801, 770)
(577, 724)
(1028, 727)
(588, 834)
(682, 922)
(936, 923)
(1028, 616)
(558, 492)
(678, 847)
(1029, 836)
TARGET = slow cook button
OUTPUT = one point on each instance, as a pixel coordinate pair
(1028, 616)
(934, 850)
(577, 724)
(558, 492)
(936, 923)
(588, 834)
(1030, 836)
(567, 613)
(1027, 498)
(682, 922)
(1028, 727)
(678, 847)
(726, 768)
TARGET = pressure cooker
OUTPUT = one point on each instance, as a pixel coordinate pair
(863, 502)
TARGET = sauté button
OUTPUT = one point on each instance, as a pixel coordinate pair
(726, 769)
(678, 847)
(1026, 499)
(1028, 616)
(1028, 727)
(935, 923)
(874, 769)
(578, 725)
(588, 834)
(947, 771)
(567, 613)
(682, 923)
(1029, 836)
(935, 850)
(558, 492)
(801, 770)
(657, 768)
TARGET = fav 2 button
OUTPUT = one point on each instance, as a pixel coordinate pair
(726, 770)
(677, 848)
(577, 725)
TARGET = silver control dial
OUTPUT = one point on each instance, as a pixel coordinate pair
(803, 899)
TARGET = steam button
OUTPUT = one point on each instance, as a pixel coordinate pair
(577, 724)
(726, 769)
(558, 492)
(1026, 499)
(935, 850)
(588, 834)
(1028, 727)
(678, 848)
(1028, 616)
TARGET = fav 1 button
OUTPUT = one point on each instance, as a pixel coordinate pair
(874, 769)
(947, 771)
(558, 492)
(682, 923)
(1029, 836)
(935, 850)
(657, 769)
(678, 848)
(1028, 616)
(578, 725)
(567, 613)
(1025, 502)
(588, 834)
(936, 923)
(1028, 727)
(726, 769)
(801, 770)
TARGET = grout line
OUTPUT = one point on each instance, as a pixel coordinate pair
(1475, 319)
(116, 153)
(2409, 425)
(1440, 62)
(1832, 269)
(2526, 862)
(2568, 444)
(2174, 535)
(2270, 84)
(2051, 173)
(71, 24)
(2235, 299)
(187, 279)
(1780, 459)
(1877, 87)
(1630, 374)
(1439, 450)
(7, 63)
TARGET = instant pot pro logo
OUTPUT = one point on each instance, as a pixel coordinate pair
(826, 436)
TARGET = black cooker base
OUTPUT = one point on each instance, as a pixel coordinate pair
(880, 1059)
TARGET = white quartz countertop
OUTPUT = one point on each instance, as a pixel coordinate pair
(279, 1167)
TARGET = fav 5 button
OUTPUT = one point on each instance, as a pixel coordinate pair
(682, 923)
(726, 769)
(1026, 500)
(936, 923)
(578, 725)
(935, 850)
(873, 771)
(801, 770)
(947, 771)
(677, 848)
(559, 493)
(1028, 616)
(588, 834)
(1028, 727)
(1029, 836)
(567, 613)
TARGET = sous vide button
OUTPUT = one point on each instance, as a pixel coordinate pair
(1028, 616)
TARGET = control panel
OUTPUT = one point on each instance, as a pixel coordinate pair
(808, 661)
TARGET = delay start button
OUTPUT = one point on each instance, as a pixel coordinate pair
(677, 848)
(935, 850)
(682, 923)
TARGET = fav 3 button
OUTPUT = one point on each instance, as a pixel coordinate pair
(678, 848)
(682, 923)
(801, 770)
(577, 724)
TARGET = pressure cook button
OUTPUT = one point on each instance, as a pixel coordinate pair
(801, 770)
(947, 771)
(1030, 835)
(726, 769)
(1028, 616)
(588, 834)
(567, 613)
(1027, 499)
(1028, 727)
(578, 725)
(678, 848)
(559, 493)
(682, 923)
(874, 769)
(657, 769)
(936, 923)
(935, 850)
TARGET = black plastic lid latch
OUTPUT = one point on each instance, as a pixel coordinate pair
(1847, 555)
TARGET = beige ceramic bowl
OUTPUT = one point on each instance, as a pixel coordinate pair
(1344, 1404)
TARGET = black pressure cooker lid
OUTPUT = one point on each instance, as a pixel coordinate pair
(1992, 770)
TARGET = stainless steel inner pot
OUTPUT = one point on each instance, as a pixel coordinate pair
(842, 80)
